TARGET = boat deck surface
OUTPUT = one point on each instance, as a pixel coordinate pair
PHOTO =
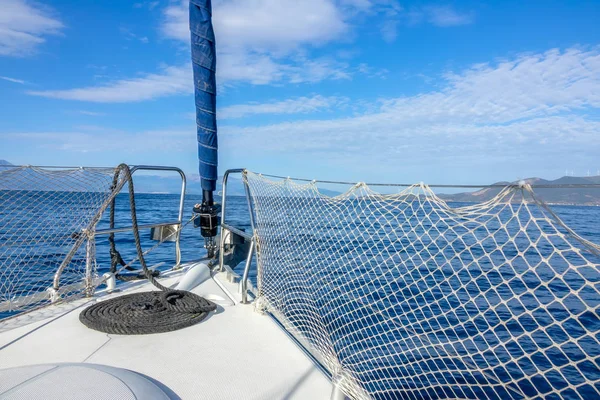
(236, 353)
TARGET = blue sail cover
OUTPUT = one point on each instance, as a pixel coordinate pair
(204, 63)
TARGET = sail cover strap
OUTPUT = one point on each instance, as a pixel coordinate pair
(204, 64)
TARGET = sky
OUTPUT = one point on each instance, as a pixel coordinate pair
(361, 90)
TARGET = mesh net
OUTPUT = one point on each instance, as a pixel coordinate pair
(403, 296)
(43, 215)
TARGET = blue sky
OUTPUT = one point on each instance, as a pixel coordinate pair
(370, 90)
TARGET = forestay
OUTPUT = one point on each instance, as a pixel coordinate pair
(403, 296)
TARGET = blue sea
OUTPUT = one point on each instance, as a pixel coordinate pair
(154, 208)
(28, 266)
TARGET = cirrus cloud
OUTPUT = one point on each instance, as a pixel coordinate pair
(300, 105)
(535, 108)
(24, 25)
(530, 107)
(263, 25)
(170, 81)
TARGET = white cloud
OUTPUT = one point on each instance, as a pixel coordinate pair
(151, 5)
(90, 113)
(526, 107)
(277, 25)
(87, 139)
(535, 111)
(362, 5)
(317, 70)
(389, 30)
(263, 41)
(380, 137)
(394, 16)
(176, 23)
(171, 81)
(530, 105)
(256, 69)
(261, 69)
(24, 25)
(259, 42)
(13, 80)
(267, 25)
(525, 87)
(446, 16)
(255, 38)
(371, 72)
(299, 105)
(129, 35)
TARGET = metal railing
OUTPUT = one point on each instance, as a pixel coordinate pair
(244, 289)
(160, 224)
(252, 237)
(92, 233)
(49, 217)
(237, 231)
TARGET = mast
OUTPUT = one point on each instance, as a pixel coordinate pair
(204, 62)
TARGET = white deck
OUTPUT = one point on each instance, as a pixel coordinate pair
(235, 353)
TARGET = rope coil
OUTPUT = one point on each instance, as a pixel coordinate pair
(160, 311)
(147, 312)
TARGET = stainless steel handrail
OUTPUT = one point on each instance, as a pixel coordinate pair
(223, 212)
(130, 228)
(237, 231)
(181, 202)
(246, 235)
(91, 233)
(174, 169)
(244, 282)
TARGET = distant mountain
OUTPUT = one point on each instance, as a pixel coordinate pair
(566, 195)
(580, 196)
(584, 196)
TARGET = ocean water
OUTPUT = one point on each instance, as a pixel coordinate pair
(154, 208)
(412, 316)
(36, 233)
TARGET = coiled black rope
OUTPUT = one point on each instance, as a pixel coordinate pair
(147, 312)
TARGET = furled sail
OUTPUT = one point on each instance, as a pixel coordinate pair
(204, 64)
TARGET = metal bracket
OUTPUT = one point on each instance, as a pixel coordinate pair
(164, 233)
(235, 248)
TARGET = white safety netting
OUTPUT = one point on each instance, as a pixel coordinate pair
(43, 215)
(403, 296)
